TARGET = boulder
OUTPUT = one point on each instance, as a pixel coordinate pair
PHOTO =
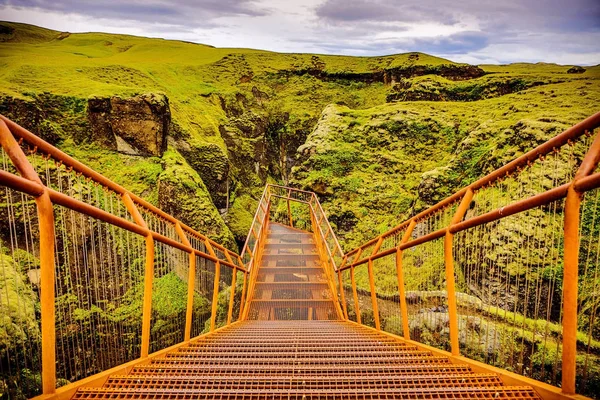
(576, 70)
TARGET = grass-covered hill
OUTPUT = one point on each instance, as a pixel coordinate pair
(235, 118)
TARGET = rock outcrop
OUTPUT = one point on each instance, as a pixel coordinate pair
(394, 74)
(576, 70)
(211, 163)
(137, 125)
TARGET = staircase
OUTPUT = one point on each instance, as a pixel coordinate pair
(295, 345)
(291, 282)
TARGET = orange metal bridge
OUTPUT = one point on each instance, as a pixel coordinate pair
(491, 293)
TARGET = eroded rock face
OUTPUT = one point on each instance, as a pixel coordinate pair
(136, 125)
(212, 164)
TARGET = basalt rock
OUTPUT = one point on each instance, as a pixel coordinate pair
(576, 70)
(137, 125)
(212, 164)
(392, 75)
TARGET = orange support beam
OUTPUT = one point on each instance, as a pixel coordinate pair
(400, 277)
(215, 298)
(449, 264)
(373, 295)
(231, 296)
(571, 269)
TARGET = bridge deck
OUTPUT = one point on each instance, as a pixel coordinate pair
(294, 347)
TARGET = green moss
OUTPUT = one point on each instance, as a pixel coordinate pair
(183, 195)
(240, 216)
(19, 326)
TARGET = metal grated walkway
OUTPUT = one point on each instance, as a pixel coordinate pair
(291, 282)
(293, 346)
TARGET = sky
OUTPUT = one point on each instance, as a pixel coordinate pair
(472, 31)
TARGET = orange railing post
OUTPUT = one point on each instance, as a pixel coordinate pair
(355, 294)
(571, 268)
(373, 295)
(243, 299)
(342, 294)
(231, 296)
(147, 302)
(45, 213)
(289, 208)
(190, 298)
(400, 277)
(449, 264)
(191, 281)
(148, 274)
(215, 298)
(47, 295)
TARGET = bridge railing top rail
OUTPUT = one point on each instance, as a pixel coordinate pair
(298, 195)
(37, 146)
(586, 181)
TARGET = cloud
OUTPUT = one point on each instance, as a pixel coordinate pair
(475, 31)
(181, 12)
(351, 11)
(507, 14)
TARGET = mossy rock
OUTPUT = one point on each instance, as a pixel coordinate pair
(182, 193)
(211, 163)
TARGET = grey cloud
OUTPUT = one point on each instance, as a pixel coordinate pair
(182, 13)
(460, 43)
(506, 14)
(364, 10)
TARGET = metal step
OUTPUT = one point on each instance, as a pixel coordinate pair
(302, 382)
(493, 392)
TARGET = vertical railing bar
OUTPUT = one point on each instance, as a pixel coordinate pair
(243, 299)
(355, 294)
(342, 294)
(191, 282)
(148, 274)
(45, 213)
(289, 208)
(571, 268)
(373, 295)
(231, 296)
(400, 277)
(215, 299)
(449, 264)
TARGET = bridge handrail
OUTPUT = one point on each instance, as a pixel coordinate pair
(572, 133)
(289, 195)
(180, 236)
(456, 207)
